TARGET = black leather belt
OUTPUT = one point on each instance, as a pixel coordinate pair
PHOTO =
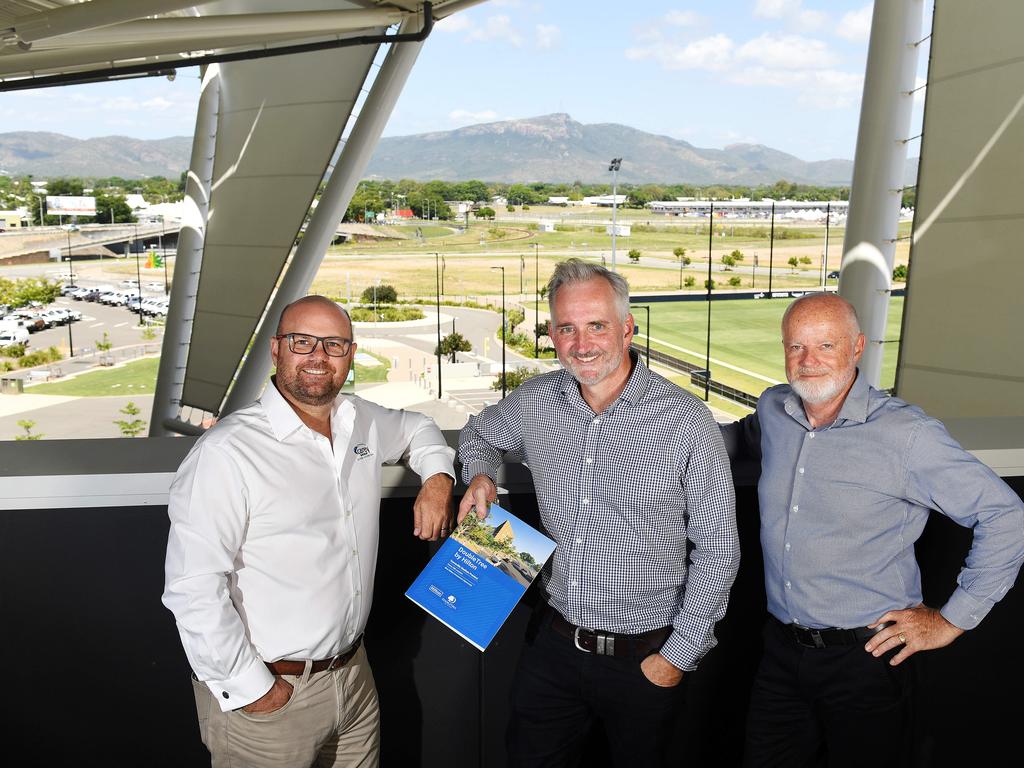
(829, 637)
(610, 643)
(298, 666)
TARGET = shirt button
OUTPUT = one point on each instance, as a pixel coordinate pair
(788, 585)
(801, 470)
(810, 435)
(225, 694)
(579, 541)
(586, 501)
(787, 546)
(589, 460)
(796, 508)
(574, 584)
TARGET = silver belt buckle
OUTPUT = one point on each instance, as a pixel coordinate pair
(576, 638)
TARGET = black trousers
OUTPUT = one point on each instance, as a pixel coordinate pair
(836, 706)
(560, 693)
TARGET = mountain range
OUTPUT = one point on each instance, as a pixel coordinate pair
(552, 148)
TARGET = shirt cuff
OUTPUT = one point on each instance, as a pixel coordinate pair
(437, 465)
(244, 689)
(680, 653)
(964, 611)
(471, 470)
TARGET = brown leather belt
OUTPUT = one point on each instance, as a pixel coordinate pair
(298, 666)
(610, 643)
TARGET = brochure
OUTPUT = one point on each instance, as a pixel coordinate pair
(475, 579)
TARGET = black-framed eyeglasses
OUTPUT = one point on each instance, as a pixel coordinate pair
(304, 344)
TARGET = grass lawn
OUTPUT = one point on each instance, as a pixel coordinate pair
(135, 378)
(744, 333)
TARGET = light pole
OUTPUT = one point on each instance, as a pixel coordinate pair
(536, 306)
(163, 254)
(707, 361)
(138, 273)
(614, 166)
(522, 266)
(442, 274)
(437, 281)
(647, 328)
(771, 251)
(71, 271)
(503, 330)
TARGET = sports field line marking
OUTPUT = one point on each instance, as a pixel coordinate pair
(96, 325)
(722, 363)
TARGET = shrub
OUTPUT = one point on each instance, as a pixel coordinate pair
(513, 378)
(634, 255)
(899, 273)
(386, 294)
(41, 357)
(13, 350)
(690, 281)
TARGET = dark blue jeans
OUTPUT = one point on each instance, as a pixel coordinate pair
(836, 706)
(561, 693)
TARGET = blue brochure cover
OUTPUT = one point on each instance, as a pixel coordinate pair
(475, 579)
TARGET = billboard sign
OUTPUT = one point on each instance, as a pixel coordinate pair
(65, 205)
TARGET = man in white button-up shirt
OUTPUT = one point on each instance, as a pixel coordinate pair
(272, 548)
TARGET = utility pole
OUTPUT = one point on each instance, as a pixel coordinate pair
(614, 166)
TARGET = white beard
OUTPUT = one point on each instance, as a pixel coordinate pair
(820, 390)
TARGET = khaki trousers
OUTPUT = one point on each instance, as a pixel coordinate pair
(331, 719)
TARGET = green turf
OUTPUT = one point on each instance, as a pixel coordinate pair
(135, 378)
(744, 333)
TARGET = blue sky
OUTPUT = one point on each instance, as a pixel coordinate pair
(784, 73)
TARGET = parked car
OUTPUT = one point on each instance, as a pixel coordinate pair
(55, 316)
(12, 334)
(129, 284)
(833, 275)
(68, 288)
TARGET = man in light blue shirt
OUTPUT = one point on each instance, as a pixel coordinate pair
(848, 478)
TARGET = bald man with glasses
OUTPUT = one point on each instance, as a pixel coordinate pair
(272, 550)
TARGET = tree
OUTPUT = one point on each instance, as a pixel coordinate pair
(737, 256)
(513, 379)
(541, 330)
(452, 343)
(728, 261)
(735, 281)
(27, 425)
(899, 273)
(134, 427)
(381, 294)
(484, 213)
(709, 284)
(514, 318)
(680, 254)
(793, 261)
(104, 344)
(112, 208)
(805, 259)
(634, 255)
(690, 281)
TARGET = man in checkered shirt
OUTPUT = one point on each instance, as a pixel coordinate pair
(630, 471)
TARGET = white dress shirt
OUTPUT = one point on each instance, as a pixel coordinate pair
(273, 537)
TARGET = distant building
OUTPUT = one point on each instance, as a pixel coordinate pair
(503, 533)
(546, 226)
(605, 201)
(558, 200)
(11, 219)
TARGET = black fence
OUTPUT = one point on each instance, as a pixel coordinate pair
(698, 375)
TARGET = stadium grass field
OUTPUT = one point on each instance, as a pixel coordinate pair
(746, 334)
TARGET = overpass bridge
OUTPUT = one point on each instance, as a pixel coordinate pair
(115, 238)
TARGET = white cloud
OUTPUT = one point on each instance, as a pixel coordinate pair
(457, 22)
(856, 25)
(786, 52)
(776, 9)
(710, 53)
(811, 21)
(822, 88)
(682, 18)
(548, 35)
(497, 28)
(464, 116)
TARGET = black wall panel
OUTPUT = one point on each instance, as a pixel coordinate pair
(95, 673)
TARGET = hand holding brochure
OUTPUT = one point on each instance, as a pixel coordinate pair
(479, 574)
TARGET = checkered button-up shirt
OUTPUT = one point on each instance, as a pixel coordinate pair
(621, 492)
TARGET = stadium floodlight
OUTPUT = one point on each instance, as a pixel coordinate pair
(614, 166)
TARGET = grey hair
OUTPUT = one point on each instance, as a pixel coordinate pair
(849, 310)
(574, 271)
(314, 298)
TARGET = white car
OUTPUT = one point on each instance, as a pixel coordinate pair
(12, 334)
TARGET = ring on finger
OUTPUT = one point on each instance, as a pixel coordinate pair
(902, 638)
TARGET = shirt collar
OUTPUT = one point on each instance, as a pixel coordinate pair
(283, 418)
(638, 382)
(854, 408)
